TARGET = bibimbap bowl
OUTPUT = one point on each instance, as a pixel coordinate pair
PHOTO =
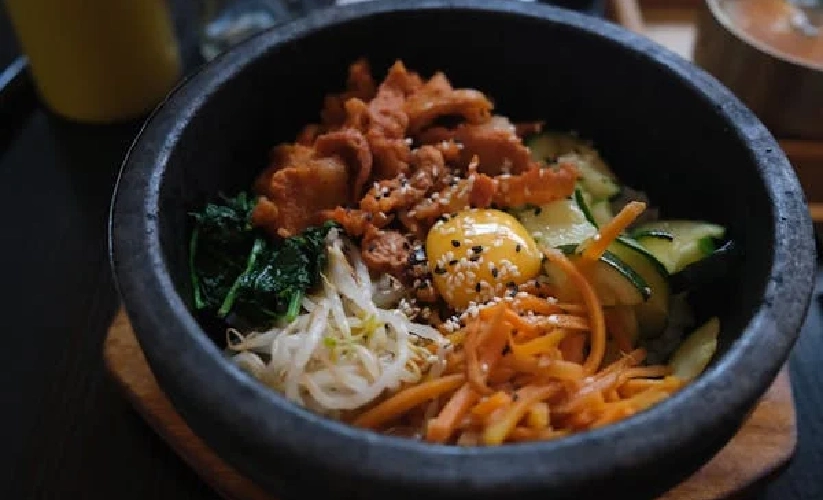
(666, 127)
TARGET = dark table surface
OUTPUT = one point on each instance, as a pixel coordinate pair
(66, 431)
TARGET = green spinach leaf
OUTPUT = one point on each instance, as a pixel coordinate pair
(244, 277)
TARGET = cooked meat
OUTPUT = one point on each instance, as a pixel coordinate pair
(350, 145)
(385, 251)
(296, 187)
(437, 99)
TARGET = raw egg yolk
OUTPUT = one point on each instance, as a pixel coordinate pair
(479, 254)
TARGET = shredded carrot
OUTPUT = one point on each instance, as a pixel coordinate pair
(635, 386)
(484, 348)
(540, 345)
(538, 415)
(407, 399)
(609, 231)
(519, 371)
(567, 321)
(536, 305)
(441, 428)
(497, 431)
(598, 327)
(497, 400)
(560, 369)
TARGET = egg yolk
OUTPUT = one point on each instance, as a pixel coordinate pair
(479, 254)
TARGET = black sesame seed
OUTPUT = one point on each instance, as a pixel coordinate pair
(455, 243)
(439, 270)
(477, 287)
(494, 272)
(507, 348)
(511, 284)
(477, 248)
(537, 211)
(474, 258)
(518, 248)
(453, 262)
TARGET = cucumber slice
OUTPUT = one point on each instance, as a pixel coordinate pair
(596, 177)
(615, 282)
(597, 212)
(691, 241)
(557, 224)
(637, 247)
(583, 201)
(652, 314)
(652, 233)
(695, 353)
(601, 186)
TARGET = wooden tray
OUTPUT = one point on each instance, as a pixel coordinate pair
(765, 442)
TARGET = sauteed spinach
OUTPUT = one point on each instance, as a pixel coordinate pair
(241, 275)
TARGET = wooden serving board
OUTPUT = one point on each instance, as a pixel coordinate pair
(764, 443)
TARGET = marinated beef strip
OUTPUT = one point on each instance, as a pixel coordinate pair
(296, 187)
(496, 142)
(437, 99)
(350, 145)
(386, 252)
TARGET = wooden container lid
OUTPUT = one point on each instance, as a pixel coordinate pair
(770, 54)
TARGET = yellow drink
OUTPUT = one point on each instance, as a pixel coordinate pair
(98, 60)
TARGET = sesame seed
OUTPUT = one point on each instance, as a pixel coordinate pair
(439, 270)
(537, 211)
(455, 243)
(453, 262)
(494, 272)
(518, 248)
(477, 248)
(477, 287)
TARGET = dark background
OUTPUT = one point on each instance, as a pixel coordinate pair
(66, 431)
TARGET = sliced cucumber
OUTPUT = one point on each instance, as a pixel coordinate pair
(653, 313)
(597, 212)
(599, 185)
(583, 200)
(625, 241)
(615, 282)
(695, 353)
(652, 233)
(557, 224)
(596, 177)
(691, 241)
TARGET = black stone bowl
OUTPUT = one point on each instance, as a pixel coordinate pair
(664, 125)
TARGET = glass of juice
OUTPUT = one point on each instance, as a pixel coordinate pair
(98, 61)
